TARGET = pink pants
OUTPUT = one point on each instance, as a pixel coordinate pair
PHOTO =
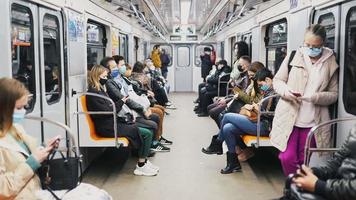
(293, 156)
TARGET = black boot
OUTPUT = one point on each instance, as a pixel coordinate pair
(215, 146)
(233, 164)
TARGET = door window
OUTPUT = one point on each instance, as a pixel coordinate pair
(183, 56)
(276, 44)
(328, 21)
(96, 43)
(52, 58)
(22, 48)
(349, 87)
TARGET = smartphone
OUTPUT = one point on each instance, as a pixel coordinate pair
(297, 94)
(301, 170)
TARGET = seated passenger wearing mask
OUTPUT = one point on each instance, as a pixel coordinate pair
(210, 90)
(20, 157)
(233, 125)
(118, 87)
(140, 138)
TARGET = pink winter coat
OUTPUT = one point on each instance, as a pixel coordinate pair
(287, 112)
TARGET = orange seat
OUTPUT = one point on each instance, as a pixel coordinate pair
(250, 139)
(93, 134)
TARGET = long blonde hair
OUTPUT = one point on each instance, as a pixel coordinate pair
(94, 76)
(11, 90)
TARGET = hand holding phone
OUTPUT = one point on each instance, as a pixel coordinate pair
(297, 94)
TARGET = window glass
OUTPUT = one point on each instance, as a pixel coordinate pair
(276, 45)
(277, 33)
(183, 56)
(275, 57)
(96, 43)
(123, 43)
(52, 58)
(22, 48)
(328, 21)
(222, 48)
(233, 54)
(349, 87)
(169, 52)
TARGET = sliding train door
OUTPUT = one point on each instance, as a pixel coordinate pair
(37, 61)
(51, 70)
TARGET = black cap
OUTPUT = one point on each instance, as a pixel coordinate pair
(207, 49)
(222, 62)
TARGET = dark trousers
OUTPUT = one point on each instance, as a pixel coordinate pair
(206, 99)
(215, 110)
(148, 124)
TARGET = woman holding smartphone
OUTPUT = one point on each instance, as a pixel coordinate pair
(307, 89)
(19, 155)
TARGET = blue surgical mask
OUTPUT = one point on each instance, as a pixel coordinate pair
(314, 52)
(122, 69)
(115, 72)
(264, 87)
(18, 116)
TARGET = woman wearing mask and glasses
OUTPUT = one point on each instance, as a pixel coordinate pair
(307, 90)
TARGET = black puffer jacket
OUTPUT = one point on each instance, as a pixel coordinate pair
(213, 80)
(337, 179)
(114, 92)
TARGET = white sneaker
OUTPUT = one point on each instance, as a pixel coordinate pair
(145, 170)
(154, 167)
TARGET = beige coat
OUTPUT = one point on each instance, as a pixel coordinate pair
(17, 179)
(287, 112)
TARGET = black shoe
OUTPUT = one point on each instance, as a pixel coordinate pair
(215, 147)
(196, 100)
(203, 114)
(160, 148)
(233, 164)
(196, 108)
(164, 141)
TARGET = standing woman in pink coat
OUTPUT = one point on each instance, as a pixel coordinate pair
(307, 89)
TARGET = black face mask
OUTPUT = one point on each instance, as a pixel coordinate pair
(103, 81)
(239, 67)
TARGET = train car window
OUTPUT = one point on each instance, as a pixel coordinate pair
(52, 58)
(124, 46)
(232, 50)
(22, 48)
(96, 43)
(328, 21)
(169, 52)
(222, 48)
(349, 87)
(183, 56)
(250, 46)
(276, 44)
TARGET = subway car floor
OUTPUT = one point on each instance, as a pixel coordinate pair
(185, 172)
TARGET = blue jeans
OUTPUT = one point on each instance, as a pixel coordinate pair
(233, 126)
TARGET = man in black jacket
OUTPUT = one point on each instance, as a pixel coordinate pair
(337, 179)
(206, 63)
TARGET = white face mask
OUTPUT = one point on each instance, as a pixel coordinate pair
(220, 67)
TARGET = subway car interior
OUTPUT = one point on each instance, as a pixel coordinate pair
(178, 99)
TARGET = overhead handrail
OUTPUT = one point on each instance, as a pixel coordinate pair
(113, 113)
(308, 149)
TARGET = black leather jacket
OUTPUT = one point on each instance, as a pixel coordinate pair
(337, 179)
(114, 92)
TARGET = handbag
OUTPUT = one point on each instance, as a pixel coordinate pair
(251, 114)
(60, 173)
(292, 192)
